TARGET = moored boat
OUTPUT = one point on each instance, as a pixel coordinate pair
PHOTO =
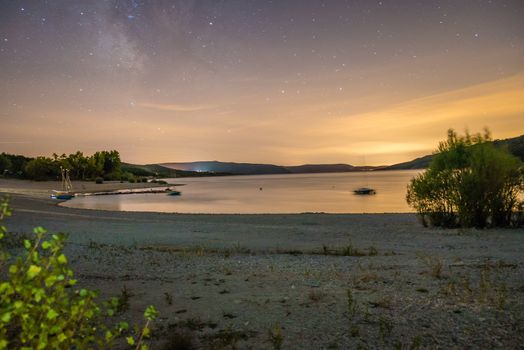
(63, 195)
(173, 192)
(364, 190)
(67, 187)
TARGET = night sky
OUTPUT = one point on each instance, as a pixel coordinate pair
(286, 82)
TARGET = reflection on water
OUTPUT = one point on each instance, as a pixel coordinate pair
(329, 193)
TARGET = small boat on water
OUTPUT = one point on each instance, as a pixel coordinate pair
(67, 187)
(364, 190)
(172, 192)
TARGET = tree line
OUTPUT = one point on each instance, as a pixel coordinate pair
(102, 164)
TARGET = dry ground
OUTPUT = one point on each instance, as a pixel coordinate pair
(316, 281)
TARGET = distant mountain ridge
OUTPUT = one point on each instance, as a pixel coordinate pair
(322, 168)
(417, 163)
(157, 170)
(206, 168)
(227, 167)
(257, 169)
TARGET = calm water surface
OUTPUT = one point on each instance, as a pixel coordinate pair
(329, 193)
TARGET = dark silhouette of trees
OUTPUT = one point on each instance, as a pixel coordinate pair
(105, 164)
(42, 168)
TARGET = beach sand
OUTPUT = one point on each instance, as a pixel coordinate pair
(223, 279)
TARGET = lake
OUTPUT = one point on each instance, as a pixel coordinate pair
(293, 193)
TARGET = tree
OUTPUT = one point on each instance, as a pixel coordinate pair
(469, 183)
(17, 165)
(106, 164)
(5, 164)
(42, 168)
(111, 162)
(78, 164)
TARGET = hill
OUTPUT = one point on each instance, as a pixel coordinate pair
(259, 169)
(228, 167)
(321, 168)
(213, 168)
(157, 170)
(417, 163)
(515, 145)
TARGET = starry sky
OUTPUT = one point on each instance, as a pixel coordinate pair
(284, 82)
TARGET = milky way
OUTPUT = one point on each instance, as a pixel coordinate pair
(262, 81)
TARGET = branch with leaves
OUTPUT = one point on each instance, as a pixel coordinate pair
(40, 307)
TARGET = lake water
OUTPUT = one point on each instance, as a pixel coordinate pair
(296, 193)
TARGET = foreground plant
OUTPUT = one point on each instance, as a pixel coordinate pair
(469, 183)
(40, 308)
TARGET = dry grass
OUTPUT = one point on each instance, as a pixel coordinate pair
(488, 288)
(434, 264)
(316, 295)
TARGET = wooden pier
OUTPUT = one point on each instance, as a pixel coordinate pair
(166, 189)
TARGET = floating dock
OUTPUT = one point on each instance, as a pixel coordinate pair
(127, 191)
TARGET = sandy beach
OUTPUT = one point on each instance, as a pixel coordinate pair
(327, 281)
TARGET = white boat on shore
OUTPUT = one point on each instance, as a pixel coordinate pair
(66, 192)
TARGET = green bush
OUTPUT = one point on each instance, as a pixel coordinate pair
(469, 183)
(40, 308)
(99, 180)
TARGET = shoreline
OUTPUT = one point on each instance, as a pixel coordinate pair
(32, 210)
(229, 278)
(43, 189)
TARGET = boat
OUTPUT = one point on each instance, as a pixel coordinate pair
(172, 192)
(62, 195)
(364, 190)
(67, 187)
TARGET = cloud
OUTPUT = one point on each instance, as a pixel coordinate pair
(14, 142)
(176, 107)
(404, 130)
(496, 104)
(488, 101)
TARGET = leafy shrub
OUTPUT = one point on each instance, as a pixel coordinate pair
(469, 183)
(99, 180)
(40, 308)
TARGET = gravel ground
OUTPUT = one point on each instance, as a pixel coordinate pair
(326, 281)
